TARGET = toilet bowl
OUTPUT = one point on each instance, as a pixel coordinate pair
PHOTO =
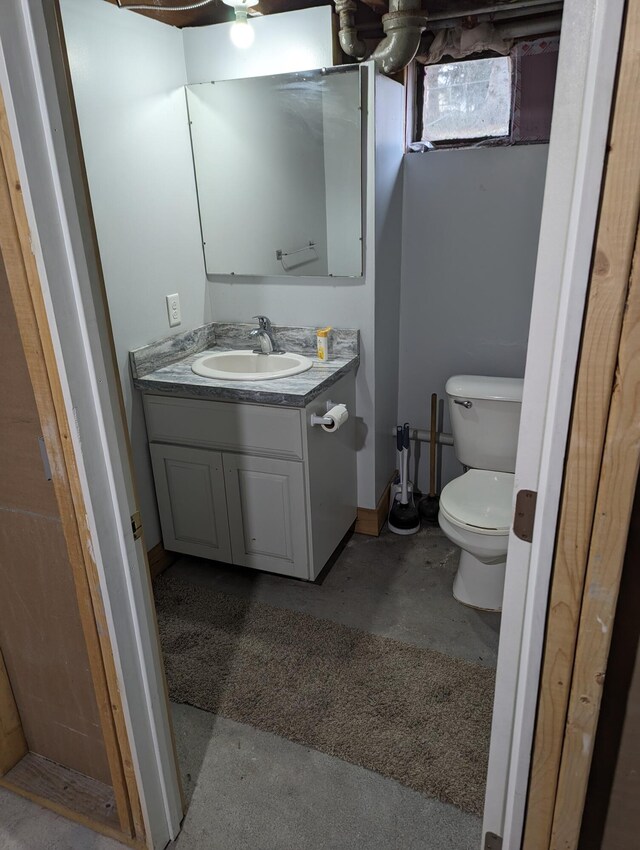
(476, 508)
(475, 514)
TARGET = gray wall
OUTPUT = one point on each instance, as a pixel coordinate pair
(471, 219)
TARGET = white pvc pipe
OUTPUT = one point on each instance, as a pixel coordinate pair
(425, 436)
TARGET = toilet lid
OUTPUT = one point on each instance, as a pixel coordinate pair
(480, 500)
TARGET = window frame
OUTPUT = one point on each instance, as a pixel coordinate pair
(468, 141)
(415, 81)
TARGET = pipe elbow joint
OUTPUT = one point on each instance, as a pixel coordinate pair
(403, 27)
(352, 45)
(403, 33)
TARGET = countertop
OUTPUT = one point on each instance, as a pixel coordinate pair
(165, 367)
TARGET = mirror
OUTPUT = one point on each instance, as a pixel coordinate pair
(278, 170)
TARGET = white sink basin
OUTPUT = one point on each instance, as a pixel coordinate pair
(248, 366)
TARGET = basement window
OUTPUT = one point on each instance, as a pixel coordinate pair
(467, 100)
(497, 100)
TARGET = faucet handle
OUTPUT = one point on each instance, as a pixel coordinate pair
(264, 322)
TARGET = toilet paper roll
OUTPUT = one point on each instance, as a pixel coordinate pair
(338, 414)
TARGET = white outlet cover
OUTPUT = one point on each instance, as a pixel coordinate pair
(173, 310)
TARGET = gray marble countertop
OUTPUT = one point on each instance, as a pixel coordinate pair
(165, 367)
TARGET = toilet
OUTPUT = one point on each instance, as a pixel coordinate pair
(476, 508)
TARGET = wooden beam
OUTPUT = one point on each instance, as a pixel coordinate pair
(599, 354)
(74, 791)
(616, 491)
(28, 301)
(219, 12)
(68, 793)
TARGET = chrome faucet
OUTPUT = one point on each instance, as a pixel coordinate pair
(264, 333)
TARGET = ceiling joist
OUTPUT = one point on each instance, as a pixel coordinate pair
(369, 11)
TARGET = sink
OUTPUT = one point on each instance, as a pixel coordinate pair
(249, 366)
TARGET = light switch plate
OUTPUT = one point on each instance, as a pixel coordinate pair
(173, 309)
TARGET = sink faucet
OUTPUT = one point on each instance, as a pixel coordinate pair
(265, 336)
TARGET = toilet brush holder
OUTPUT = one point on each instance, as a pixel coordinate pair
(403, 517)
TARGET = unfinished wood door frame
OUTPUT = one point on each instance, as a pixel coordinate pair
(597, 480)
(26, 295)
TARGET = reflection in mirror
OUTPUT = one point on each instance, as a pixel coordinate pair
(278, 171)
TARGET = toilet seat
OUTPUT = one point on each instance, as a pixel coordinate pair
(480, 501)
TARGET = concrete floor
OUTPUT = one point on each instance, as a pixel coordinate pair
(250, 790)
(25, 826)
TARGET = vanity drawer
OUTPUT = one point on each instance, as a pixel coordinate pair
(248, 428)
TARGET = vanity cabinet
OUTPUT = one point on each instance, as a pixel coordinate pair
(267, 521)
(192, 500)
(253, 485)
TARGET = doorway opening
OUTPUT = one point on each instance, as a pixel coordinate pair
(330, 573)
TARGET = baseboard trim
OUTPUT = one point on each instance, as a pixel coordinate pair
(370, 520)
(160, 560)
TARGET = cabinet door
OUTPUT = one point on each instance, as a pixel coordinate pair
(267, 516)
(192, 500)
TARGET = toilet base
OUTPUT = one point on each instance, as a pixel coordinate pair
(479, 585)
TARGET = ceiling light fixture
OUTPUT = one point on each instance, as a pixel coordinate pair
(242, 33)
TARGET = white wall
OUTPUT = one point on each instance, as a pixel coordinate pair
(128, 74)
(292, 41)
(471, 219)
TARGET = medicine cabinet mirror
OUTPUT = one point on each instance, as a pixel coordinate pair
(278, 169)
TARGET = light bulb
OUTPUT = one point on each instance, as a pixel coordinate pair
(242, 34)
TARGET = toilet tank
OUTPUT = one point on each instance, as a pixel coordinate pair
(485, 418)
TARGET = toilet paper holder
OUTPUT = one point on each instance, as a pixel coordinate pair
(323, 420)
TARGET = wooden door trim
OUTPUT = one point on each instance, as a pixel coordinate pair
(558, 773)
(27, 297)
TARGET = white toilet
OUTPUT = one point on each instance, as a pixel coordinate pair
(476, 508)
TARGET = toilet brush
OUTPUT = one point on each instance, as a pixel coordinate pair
(430, 505)
(403, 516)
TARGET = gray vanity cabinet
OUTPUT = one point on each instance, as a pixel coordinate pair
(192, 500)
(254, 485)
(267, 518)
